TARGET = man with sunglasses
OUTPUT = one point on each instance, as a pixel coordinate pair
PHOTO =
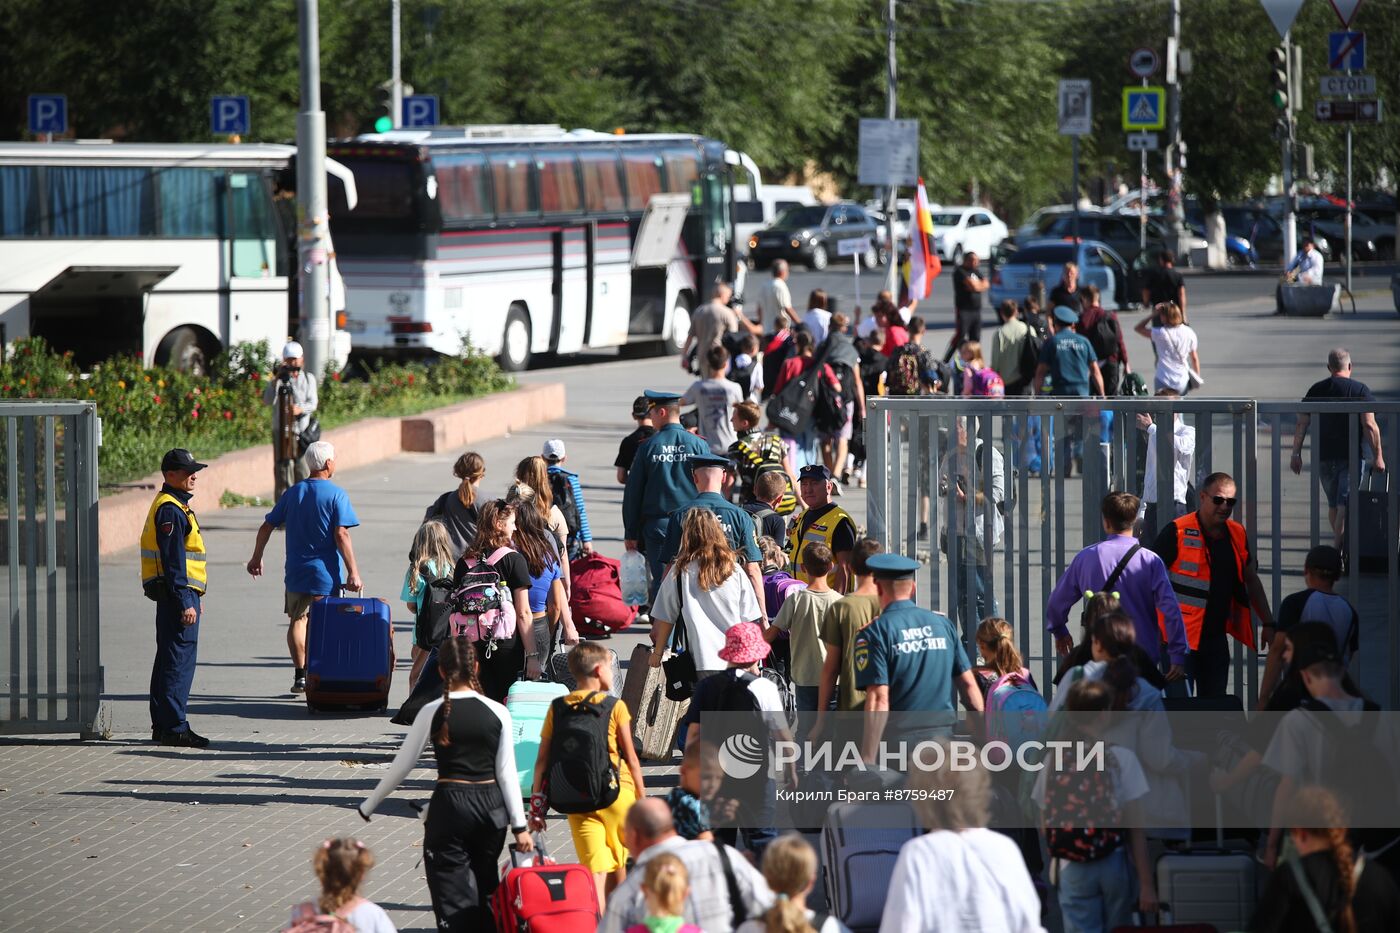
(1216, 581)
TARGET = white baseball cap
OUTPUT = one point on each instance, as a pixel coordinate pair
(553, 449)
(291, 351)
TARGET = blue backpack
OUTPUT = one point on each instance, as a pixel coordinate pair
(1016, 713)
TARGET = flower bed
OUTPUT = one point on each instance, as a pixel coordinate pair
(145, 411)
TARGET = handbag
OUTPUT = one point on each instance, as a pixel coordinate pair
(308, 436)
(680, 670)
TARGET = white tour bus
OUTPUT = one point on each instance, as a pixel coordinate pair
(174, 251)
(530, 239)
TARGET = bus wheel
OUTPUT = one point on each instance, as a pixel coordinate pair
(515, 342)
(182, 350)
(680, 328)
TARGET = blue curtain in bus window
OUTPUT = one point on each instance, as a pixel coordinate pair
(100, 202)
(254, 230)
(19, 202)
(189, 202)
(464, 188)
(682, 169)
(602, 184)
(558, 182)
(643, 170)
(512, 177)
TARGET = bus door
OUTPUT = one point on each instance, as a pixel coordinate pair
(255, 262)
(571, 275)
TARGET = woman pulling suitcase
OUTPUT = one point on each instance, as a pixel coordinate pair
(477, 795)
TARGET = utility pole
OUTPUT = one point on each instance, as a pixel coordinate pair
(312, 229)
(1290, 192)
(891, 193)
(1176, 159)
(395, 68)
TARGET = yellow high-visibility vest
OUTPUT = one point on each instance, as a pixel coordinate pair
(152, 572)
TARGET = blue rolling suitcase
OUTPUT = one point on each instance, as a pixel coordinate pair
(528, 702)
(349, 654)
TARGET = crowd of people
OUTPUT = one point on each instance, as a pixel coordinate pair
(757, 570)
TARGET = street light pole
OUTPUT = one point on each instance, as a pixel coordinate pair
(1290, 194)
(395, 68)
(892, 192)
(1176, 164)
(312, 230)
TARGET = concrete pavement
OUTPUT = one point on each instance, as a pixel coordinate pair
(125, 835)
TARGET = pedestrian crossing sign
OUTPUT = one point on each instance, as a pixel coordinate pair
(1144, 108)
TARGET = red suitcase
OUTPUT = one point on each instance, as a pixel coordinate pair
(349, 654)
(537, 896)
(595, 596)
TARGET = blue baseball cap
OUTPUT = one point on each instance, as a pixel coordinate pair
(180, 459)
(1066, 314)
(891, 566)
(814, 471)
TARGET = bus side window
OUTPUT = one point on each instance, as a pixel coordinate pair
(643, 168)
(602, 187)
(189, 202)
(558, 182)
(682, 169)
(464, 190)
(19, 201)
(253, 228)
(512, 177)
(100, 202)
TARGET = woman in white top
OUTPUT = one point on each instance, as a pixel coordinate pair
(790, 868)
(1175, 345)
(703, 590)
(532, 485)
(960, 875)
(477, 797)
(817, 318)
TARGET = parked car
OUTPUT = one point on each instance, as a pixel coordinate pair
(1121, 231)
(1042, 260)
(1370, 239)
(811, 236)
(1033, 227)
(958, 230)
(904, 215)
(753, 213)
(1261, 231)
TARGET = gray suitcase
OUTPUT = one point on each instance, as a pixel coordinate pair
(654, 718)
(1217, 885)
(860, 843)
(559, 670)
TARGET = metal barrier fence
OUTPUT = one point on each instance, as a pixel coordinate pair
(51, 659)
(913, 505)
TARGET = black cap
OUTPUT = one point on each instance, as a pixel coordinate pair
(641, 405)
(709, 460)
(180, 459)
(814, 471)
(1325, 559)
(891, 566)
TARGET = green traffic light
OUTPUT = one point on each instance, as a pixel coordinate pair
(383, 125)
(1280, 99)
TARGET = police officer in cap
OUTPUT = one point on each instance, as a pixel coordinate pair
(909, 660)
(710, 472)
(173, 573)
(659, 481)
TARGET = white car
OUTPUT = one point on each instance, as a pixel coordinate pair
(959, 230)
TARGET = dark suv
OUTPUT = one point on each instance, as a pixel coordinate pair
(812, 235)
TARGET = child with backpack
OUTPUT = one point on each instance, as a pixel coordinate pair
(588, 767)
(979, 380)
(341, 866)
(1084, 814)
(756, 454)
(690, 801)
(800, 618)
(430, 558)
(665, 885)
(746, 369)
(491, 603)
(790, 868)
(564, 485)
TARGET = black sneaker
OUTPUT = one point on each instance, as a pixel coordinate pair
(187, 739)
(299, 685)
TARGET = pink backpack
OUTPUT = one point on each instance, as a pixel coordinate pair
(987, 383)
(482, 608)
(309, 920)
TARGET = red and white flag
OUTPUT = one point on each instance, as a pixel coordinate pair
(924, 264)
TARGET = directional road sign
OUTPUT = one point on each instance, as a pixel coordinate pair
(420, 110)
(1076, 108)
(1348, 85)
(1143, 63)
(1144, 108)
(1346, 51)
(1348, 111)
(888, 152)
(48, 113)
(1282, 13)
(1142, 142)
(229, 116)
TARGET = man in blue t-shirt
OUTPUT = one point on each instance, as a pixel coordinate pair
(1333, 454)
(318, 517)
(909, 660)
(1069, 360)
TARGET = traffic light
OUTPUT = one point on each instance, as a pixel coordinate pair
(1278, 77)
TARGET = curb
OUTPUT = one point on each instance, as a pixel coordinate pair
(248, 472)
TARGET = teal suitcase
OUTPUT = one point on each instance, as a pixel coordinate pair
(528, 702)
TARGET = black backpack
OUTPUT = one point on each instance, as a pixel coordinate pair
(772, 362)
(742, 376)
(1104, 336)
(582, 776)
(829, 412)
(563, 492)
(430, 623)
(792, 409)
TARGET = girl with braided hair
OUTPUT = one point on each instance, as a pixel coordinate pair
(477, 795)
(1351, 894)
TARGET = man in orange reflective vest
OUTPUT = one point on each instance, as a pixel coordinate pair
(1216, 580)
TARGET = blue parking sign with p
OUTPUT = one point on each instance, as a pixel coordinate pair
(420, 110)
(48, 113)
(229, 116)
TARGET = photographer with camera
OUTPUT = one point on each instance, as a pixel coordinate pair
(292, 394)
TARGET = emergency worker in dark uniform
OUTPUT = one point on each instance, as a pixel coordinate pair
(709, 472)
(659, 481)
(909, 661)
(173, 573)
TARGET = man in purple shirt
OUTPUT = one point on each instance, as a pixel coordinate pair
(1143, 587)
